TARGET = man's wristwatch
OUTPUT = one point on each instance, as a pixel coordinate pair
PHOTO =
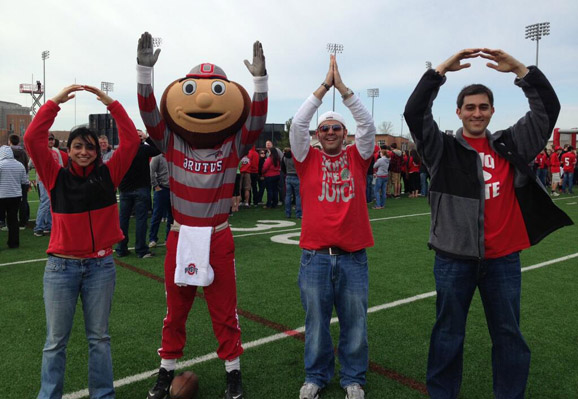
(347, 94)
(327, 87)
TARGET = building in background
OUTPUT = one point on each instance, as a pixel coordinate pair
(14, 119)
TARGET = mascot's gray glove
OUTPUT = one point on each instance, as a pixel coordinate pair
(144, 52)
(257, 68)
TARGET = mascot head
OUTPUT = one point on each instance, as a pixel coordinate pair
(204, 108)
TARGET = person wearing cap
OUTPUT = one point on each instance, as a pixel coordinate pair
(205, 125)
(555, 169)
(335, 232)
(487, 205)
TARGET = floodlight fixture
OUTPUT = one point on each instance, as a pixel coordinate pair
(536, 32)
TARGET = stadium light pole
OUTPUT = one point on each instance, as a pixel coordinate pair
(157, 41)
(535, 32)
(334, 48)
(372, 93)
(106, 87)
(45, 55)
(428, 65)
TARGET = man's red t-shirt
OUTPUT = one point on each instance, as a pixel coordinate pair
(568, 162)
(504, 227)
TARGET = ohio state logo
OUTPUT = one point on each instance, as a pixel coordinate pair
(191, 269)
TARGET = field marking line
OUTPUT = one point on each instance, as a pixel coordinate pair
(289, 333)
(244, 235)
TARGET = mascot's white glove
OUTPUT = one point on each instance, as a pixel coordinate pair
(257, 68)
(144, 52)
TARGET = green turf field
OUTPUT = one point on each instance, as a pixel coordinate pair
(267, 266)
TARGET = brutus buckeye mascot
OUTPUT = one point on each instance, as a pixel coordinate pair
(205, 125)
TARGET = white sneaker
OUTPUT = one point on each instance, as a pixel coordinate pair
(309, 390)
(152, 244)
(354, 391)
(555, 194)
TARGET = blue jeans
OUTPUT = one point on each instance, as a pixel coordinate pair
(161, 208)
(568, 182)
(423, 183)
(138, 200)
(292, 188)
(272, 184)
(369, 189)
(380, 191)
(64, 281)
(341, 281)
(542, 174)
(499, 281)
(43, 216)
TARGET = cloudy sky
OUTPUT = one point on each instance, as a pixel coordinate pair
(386, 45)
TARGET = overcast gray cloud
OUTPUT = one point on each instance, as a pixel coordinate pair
(386, 44)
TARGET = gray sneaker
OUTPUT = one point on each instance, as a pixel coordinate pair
(354, 391)
(309, 390)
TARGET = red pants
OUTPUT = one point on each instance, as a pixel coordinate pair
(221, 297)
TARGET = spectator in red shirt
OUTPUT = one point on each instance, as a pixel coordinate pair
(568, 164)
(555, 169)
(414, 166)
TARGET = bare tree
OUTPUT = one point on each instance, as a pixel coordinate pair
(385, 127)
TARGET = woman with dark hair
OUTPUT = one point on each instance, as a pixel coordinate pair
(414, 166)
(85, 226)
(272, 174)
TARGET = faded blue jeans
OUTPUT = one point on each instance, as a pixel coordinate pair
(499, 282)
(65, 280)
(380, 191)
(341, 281)
(43, 215)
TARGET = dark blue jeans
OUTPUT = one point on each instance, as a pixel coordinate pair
(161, 209)
(139, 200)
(499, 282)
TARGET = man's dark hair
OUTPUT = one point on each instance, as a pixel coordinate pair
(14, 139)
(473, 90)
(394, 146)
(84, 133)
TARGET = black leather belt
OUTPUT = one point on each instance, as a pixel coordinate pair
(332, 251)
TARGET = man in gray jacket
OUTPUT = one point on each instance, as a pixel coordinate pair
(487, 205)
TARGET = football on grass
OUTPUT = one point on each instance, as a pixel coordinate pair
(184, 386)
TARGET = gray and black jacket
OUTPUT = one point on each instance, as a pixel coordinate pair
(457, 184)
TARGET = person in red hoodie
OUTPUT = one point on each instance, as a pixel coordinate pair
(272, 174)
(254, 171)
(85, 226)
(542, 163)
(413, 168)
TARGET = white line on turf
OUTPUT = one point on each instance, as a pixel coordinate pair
(276, 337)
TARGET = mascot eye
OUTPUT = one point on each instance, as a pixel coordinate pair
(189, 87)
(218, 88)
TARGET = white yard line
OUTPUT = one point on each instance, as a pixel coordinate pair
(279, 336)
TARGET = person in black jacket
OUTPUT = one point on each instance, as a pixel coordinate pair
(487, 205)
(135, 194)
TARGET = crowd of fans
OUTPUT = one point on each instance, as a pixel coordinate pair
(392, 173)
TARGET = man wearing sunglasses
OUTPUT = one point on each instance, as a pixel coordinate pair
(335, 232)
